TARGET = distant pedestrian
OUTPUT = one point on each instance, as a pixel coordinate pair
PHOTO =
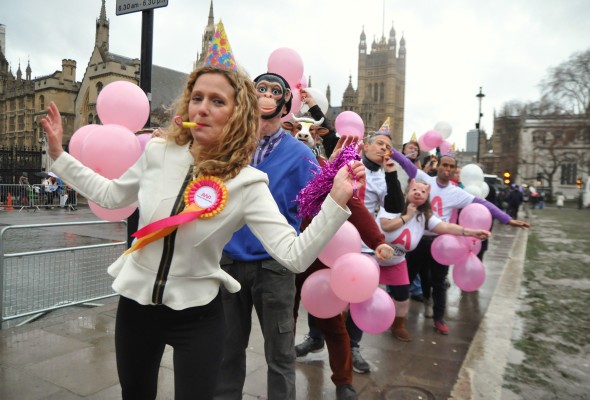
(514, 200)
(559, 199)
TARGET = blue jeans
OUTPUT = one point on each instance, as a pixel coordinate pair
(416, 287)
(268, 287)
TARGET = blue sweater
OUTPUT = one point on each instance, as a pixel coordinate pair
(289, 167)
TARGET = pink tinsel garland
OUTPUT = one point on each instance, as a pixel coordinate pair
(311, 197)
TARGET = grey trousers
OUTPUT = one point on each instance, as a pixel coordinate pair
(270, 289)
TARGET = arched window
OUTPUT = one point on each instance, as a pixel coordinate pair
(42, 102)
(98, 88)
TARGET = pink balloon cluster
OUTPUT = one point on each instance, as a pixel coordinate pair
(112, 148)
(461, 251)
(430, 140)
(353, 278)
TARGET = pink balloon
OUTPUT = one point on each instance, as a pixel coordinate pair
(472, 244)
(116, 214)
(110, 150)
(448, 249)
(346, 240)
(318, 297)
(445, 147)
(354, 278)
(77, 140)
(350, 123)
(302, 82)
(374, 315)
(123, 103)
(470, 274)
(373, 260)
(143, 139)
(295, 105)
(433, 139)
(423, 145)
(476, 216)
(287, 63)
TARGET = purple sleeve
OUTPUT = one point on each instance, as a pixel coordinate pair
(405, 163)
(496, 212)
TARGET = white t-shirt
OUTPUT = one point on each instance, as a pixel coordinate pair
(375, 192)
(406, 237)
(444, 199)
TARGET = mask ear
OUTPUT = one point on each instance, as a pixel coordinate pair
(427, 190)
(288, 95)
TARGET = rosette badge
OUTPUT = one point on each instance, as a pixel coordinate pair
(204, 197)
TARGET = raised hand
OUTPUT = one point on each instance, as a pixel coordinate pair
(350, 178)
(54, 130)
(343, 141)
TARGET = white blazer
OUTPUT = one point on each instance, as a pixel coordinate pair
(194, 275)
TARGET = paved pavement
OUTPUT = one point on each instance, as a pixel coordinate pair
(71, 355)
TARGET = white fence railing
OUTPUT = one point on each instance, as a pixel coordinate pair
(41, 280)
(19, 197)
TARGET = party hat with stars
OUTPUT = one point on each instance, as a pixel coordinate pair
(219, 54)
(451, 152)
(384, 130)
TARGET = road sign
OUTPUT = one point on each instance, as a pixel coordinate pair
(129, 6)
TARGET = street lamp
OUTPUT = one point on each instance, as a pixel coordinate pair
(480, 96)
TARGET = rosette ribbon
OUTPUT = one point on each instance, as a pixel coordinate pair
(204, 197)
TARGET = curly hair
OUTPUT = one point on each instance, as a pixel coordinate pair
(237, 142)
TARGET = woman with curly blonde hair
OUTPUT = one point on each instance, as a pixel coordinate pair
(194, 189)
(239, 136)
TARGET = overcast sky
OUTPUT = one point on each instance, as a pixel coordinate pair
(453, 46)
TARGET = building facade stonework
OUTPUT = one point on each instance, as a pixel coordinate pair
(542, 151)
(24, 100)
(381, 85)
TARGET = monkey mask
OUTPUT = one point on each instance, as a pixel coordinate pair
(273, 93)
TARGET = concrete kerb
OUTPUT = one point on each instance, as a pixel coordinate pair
(482, 371)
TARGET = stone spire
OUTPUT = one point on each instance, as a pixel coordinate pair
(102, 30)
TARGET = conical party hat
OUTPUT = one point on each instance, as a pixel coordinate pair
(451, 152)
(219, 54)
(414, 138)
(384, 130)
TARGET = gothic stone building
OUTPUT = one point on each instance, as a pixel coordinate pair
(543, 151)
(381, 85)
(23, 100)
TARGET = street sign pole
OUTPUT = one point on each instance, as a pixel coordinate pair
(145, 73)
(147, 36)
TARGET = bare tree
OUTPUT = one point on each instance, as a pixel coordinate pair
(569, 84)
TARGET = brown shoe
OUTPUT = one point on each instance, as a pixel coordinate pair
(399, 329)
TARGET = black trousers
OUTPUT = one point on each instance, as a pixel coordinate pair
(196, 335)
(432, 275)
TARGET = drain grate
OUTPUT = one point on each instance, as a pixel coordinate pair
(407, 393)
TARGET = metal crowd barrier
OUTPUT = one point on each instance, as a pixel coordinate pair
(19, 197)
(35, 282)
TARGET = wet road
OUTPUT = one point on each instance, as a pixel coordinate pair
(71, 356)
